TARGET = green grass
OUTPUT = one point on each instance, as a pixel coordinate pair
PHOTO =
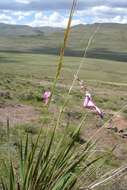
(24, 70)
(25, 76)
(41, 66)
(109, 44)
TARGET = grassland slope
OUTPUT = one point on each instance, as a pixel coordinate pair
(109, 43)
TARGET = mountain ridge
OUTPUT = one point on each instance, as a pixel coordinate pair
(43, 29)
(110, 42)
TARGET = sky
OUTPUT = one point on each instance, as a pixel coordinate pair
(55, 12)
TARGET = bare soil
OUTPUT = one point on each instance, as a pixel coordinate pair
(18, 114)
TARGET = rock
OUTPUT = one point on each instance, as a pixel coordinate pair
(5, 94)
(113, 129)
(123, 133)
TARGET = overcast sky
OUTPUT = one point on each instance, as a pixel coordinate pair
(55, 12)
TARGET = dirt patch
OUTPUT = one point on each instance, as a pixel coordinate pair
(120, 122)
(18, 114)
(107, 138)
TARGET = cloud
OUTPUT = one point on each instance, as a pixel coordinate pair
(24, 1)
(4, 18)
(104, 14)
(21, 15)
(15, 17)
(58, 4)
(116, 19)
(55, 20)
(103, 11)
(55, 12)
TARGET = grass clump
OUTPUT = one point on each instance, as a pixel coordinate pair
(3, 134)
(45, 120)
(30, 129)
(43, 167)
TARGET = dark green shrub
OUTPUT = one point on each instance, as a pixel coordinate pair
(29, 128)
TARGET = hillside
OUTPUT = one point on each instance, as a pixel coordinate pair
(48, 29)
(18, 30)
(109, 43)
(24, 30)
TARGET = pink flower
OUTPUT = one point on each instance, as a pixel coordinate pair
(88, 103)
(46, 96)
